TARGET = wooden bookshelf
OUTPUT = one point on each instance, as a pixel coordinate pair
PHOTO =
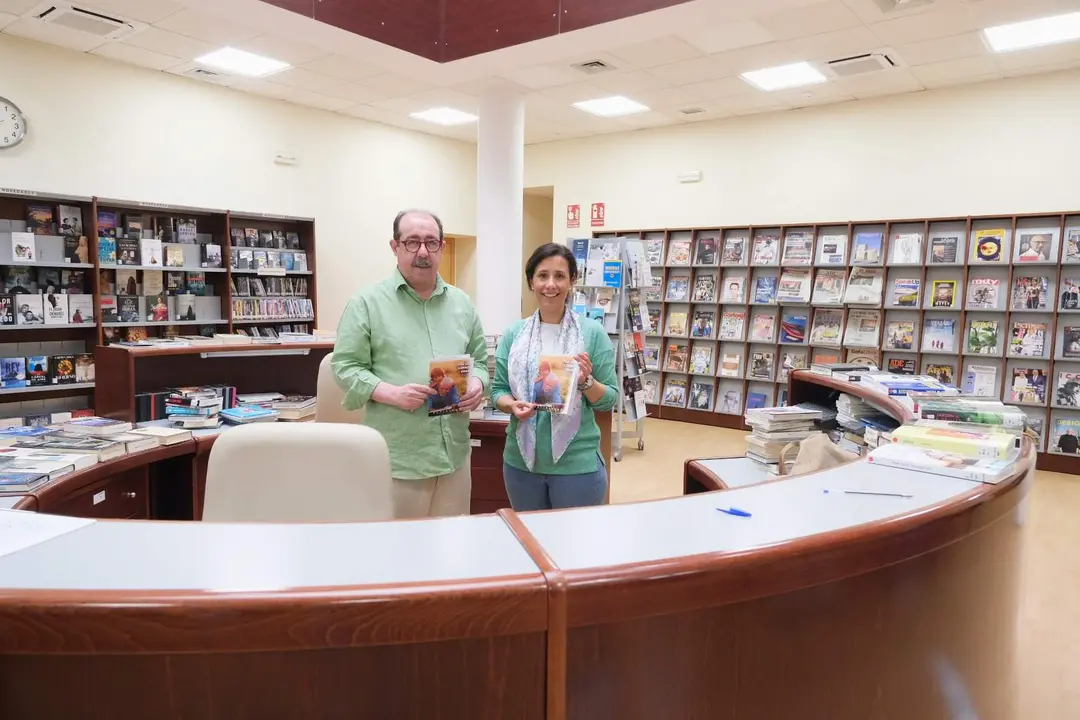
(1051, 363)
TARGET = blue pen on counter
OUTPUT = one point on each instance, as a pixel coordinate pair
(735, 511)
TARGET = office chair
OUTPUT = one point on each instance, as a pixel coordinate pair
(328, 397)
(299, 472)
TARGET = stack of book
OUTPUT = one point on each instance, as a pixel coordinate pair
(246, 415)
(194, 408)
(961, 437)
(295, 407)
(774, 428)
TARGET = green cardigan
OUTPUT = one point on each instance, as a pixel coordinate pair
(580, 456)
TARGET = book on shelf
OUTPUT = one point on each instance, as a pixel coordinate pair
(651, 386)
(1030, 293)
(40, 219)
(905, 249)
(868, 248)
(55, 308)
(701, 393)
(905, 292)
(793, 286)
(29, 309)
(1027, 339)
(983, 337)
(734, 250)
(988, 247)
(798, 248)
(766, 249)
(832, 250)
(675, 392)
(826, 329)
(864, 286)
(150, 252)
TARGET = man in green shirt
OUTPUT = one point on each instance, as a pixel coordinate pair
(386, 339)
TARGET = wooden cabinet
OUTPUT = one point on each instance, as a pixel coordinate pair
(488, 490)
(120, 497)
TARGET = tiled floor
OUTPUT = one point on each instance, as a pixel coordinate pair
(1049, 624)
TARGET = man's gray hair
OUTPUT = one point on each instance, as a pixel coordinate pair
(403, 213)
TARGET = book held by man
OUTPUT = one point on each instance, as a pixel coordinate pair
(449, 378)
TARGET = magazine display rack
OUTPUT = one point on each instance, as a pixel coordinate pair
(990, 304)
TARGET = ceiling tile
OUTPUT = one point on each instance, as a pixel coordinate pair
(54, 35)
(219, 79)
(756, 57)
(810, 20)
(942, 49)
(690, 71)
(1050, 55)
(646, 120)
(717, 89)
(304, 80)
(870, 12)
(396, 84)
(728, 36)
(886, 82)
(342, 68)
(988, 13)
(317, 100)
(628, 82)
(576, 92)
(949, 20)
(1038, 70)
(17, 7)
(261, 87)
(208, 28)
(368, 112)
(168, 43)
(445, 97)
(358, 93)
(660, 51)
(824, 94)
(835, 45)
(666, 98)
(752, 104)
(950, 72)
(281, 49)
(401, 105)
(6, 19)
(137, 56)
(147, 11)
(481, 86)
(543, 76)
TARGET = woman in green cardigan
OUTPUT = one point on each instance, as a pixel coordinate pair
(553, 460)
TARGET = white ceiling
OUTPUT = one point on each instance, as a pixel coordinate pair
(688, 56)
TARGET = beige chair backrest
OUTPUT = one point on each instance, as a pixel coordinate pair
(328, 398)
(299, 472)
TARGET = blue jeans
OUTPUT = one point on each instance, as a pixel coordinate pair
(534, 491)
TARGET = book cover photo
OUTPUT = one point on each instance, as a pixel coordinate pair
(555, 383)
(449, 378)
(989, 246)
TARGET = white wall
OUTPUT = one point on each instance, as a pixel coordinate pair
(1004, 147)
(103, 128)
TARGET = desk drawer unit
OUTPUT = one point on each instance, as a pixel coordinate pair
(120, 497)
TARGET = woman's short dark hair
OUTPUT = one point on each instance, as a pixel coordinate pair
(543, 252)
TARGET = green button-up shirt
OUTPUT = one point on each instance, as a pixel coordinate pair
(388, 333)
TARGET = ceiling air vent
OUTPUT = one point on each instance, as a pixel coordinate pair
(204, 74)
(593, 67)
(895, 6)
(692, 111)
(82, 20)
(862, 64)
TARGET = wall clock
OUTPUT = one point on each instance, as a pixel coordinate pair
(12, 124)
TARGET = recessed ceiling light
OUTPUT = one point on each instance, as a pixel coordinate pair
(611, 106)
(239, 62)
(785, 76)
(1032, 33)
(445, 116)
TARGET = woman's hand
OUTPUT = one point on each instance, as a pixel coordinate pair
(522, 410)
(585, 365)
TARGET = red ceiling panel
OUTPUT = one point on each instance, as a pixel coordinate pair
(472, 27)
(410, 25)
(446, 30)
(578, 14)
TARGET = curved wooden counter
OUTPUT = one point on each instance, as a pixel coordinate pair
(821, 605)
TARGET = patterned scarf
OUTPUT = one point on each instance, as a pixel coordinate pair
(522, 368)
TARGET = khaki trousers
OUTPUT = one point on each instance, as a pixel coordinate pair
(440, 496)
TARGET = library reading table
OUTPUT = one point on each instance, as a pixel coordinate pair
(818, 606)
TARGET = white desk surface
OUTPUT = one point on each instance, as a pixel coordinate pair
(225, 557)
(691, 525)
(737, 472)
(9, 501)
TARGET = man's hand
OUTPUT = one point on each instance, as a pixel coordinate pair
(473, 396)
(522, 410)
(404, 397)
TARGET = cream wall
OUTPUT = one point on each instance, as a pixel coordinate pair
(536, 231)
(103, 128)
(1003, 147)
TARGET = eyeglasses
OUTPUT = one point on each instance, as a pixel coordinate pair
(413, 245)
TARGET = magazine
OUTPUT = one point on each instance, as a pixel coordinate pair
(943, 294)
(943, 249)
(906, 292)
(1028, 386)
(829, 287)
(766, 248)
(826, 328)
(449, 378)
(863, 327)
(939, 335)
(864, 286)
(732, 325)
(983, 293)
(833, 250)
(867, 248)
(734, 251)
(905, 249)
(556, 383)
(989, 246)
(982, 337)
(1030, 293)
(1027, 339)
(733, 290)
(900, 335)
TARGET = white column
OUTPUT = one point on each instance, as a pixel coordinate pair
(500, 165)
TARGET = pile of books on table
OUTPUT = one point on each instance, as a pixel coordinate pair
(196, 408)
(965, 437)
(32, 456)
(775, 428)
